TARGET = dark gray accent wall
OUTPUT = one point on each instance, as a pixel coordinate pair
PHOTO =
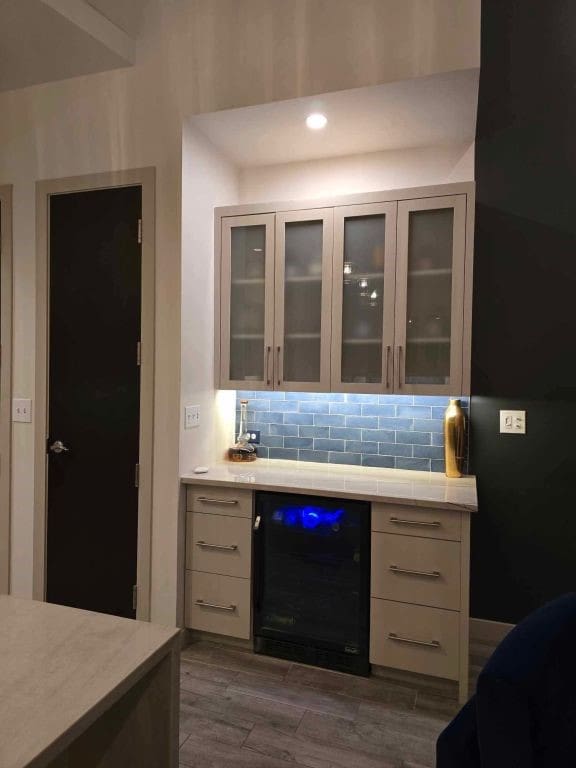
(524, 328)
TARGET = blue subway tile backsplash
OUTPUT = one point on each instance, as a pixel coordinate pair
(391, 431)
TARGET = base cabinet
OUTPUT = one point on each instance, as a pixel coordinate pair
(419, 609)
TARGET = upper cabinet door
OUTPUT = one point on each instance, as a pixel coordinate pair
(303, 297)
(247, 302)
(363, 298)
(430, 295)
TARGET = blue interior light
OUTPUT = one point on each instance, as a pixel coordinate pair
(308, 517)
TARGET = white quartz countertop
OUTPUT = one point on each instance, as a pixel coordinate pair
(387, 485)
(60, 669)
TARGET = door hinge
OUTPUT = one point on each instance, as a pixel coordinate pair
(139, 230)
(137, 476)
(139, 353)
(135, 597)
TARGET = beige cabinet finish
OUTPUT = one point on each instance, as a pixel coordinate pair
(420, 591)
(415, 638)
(430, 274)
(302, 328)
(219, 560)
(218, 604)
(220, 501)
(368, 293)
(218, 544)
(414, 570)
(363, 298)
(420, 559)
(416, 521)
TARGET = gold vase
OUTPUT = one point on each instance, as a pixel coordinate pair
(454, 429)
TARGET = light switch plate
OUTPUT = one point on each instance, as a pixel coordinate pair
(22, 410)
(191, 416)
(513, 422)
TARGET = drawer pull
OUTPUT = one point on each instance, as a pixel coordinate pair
(411, 641)
(423, 523)
(427, 574)
(206, 500)
(204, 604)
(227, 547)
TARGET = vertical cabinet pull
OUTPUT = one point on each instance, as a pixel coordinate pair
(278, 351)
(400, 365)
(388, 366)
(267, 364)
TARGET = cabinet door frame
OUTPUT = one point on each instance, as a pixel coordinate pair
(225, 287)
(327, 217)
(341, 213)
(405, 207)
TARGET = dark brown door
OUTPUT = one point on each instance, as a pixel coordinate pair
(94, 399)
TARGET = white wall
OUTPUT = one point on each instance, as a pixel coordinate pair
(371, 172)
(208, 181)
(194, 56)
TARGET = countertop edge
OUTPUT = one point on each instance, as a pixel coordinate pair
(422, 501)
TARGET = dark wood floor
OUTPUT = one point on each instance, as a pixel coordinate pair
(242, 710)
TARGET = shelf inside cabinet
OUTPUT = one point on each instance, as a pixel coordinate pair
(361, 341)
(247, 336)
(444, 272)
(429, 340)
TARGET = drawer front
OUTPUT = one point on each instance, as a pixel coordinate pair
(414, 570)
(219, 604)
(415, 638)
(427, 522)
(219, 501)
(219, 544)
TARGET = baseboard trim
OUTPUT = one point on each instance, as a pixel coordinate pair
(488, 632)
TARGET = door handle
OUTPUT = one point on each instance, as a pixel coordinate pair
(58, 447)
(399, 366)
(267, 365)
(388, 366)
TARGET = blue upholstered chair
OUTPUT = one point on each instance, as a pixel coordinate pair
(523, 714)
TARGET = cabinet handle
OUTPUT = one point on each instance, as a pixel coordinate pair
(428, 574)
(388, 367)
(205, 604)
(423, 523)
(206, 500)
(228, 547)
(267, 365)
(278, 350)
(400, 365)
(257, 523)
(400, 639)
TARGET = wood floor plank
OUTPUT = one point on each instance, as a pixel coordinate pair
(296, 695)
(395, 736)
(247, 711)
(198, 752)
(277, 745)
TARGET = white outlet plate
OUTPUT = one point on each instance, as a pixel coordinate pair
(22, 410)
(513, 422)
(191, 416)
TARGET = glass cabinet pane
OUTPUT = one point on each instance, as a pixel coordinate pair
(247, 302)
(303, 247)
(363, 299)
(429, 296)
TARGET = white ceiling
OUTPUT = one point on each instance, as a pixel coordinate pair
(126, 14)
(41, 43)
(440, 109)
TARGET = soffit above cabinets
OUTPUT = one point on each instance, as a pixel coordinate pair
(427, 111)
(47, 40)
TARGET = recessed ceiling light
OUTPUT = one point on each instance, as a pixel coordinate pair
(316, 121)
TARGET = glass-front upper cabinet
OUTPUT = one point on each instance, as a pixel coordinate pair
(302, 322)
(247, 302)
(363, 298)
(430, 295)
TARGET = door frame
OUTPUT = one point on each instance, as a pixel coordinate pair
(5, 383)
(146, 179)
